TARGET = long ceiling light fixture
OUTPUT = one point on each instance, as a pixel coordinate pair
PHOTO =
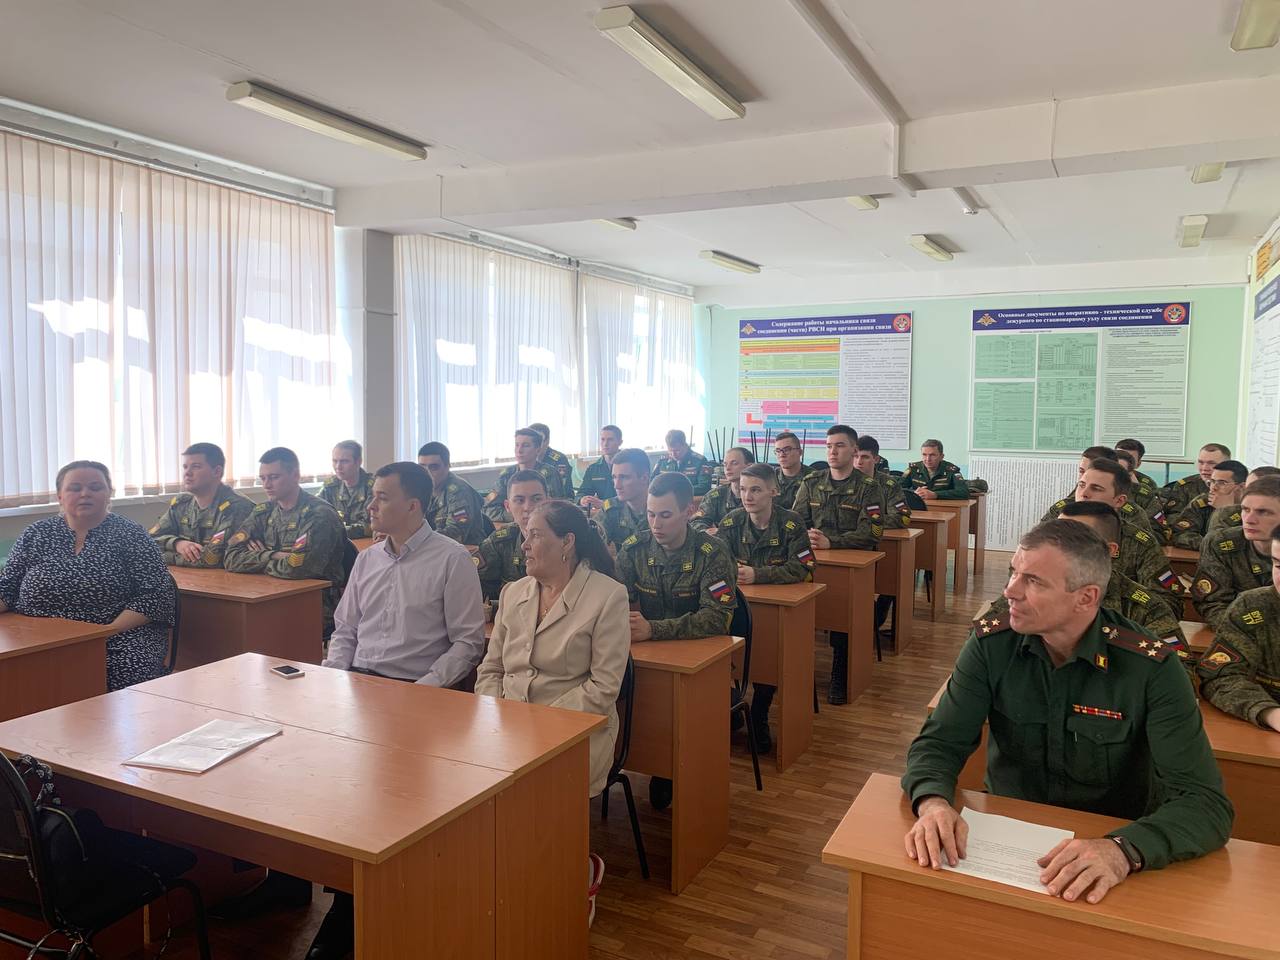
(622, 223)
(633, 34)
(729, 261)
(930, 249)
(863, 202)
(319, 120)
(1191, 230)
(1257, 26)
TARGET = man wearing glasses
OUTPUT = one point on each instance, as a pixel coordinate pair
(1226, 489)
(791, 467)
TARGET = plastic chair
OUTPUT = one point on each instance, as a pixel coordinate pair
(626, 698)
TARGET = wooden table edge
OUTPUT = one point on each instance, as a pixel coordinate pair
(864, 558)
(294, 588)
(699, 666)
(768, 601)
(101, 631)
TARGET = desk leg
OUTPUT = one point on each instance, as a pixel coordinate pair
(978, 527)
(862, 629)
(795, 683)
(700, 749)
(937, 603)
(905, 600)
(962, 552)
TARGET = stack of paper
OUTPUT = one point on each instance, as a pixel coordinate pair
(207, 746)
(1006, 850)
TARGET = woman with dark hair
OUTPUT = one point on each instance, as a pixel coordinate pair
(95, 566)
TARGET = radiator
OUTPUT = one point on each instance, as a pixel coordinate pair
(1022, 489)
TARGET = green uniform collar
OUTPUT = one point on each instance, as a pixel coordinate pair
(1092, 648)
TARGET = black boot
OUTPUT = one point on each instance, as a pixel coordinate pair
(760, 704)
(336, 937)
(277, 891)
(838, 692)
(660, 790)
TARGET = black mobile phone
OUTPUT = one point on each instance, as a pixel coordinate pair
(286, 671)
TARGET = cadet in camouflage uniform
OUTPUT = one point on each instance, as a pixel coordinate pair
(1238, 558)
(1240, 672)
(528, 444)
(786, 447)
(294, 535)
(1103, 460)
(1222, 518)
(625, 515)
(897, 512)
(456, 509)
(350, 489)
(556, 460)
(681, 459)
(1174, 496)
(500, 559)
(1143, 482)
(723, 497)
(1144, 488)
(597, 479)
(191, 535)
(1226, 487)
(932, 478)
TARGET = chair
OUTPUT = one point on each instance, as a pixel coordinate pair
(173, 630)
(741, 627)
(349, 554)
(626, 697)
(115, 874)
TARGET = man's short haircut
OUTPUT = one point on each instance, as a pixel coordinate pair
(543, 430)
(1104, 513)
(673, 483)
(1260, 472)
(1127, 459)
(352, 447)
(1098, 453)
(1239, 472)
(525, 476)
(615, 430)
(785, 435)
(435, 449)
(1221, 448)
(1119, 475)
(868, 444)
(1131, 444)
(675, 438)
(283, 456)
(1275, 534)
(762, 471)
(413, 480)
(1264, 487)
(635, 458)
(1088, 558)
(211, 452)
(532, 434)
(747, 455)
(843, 429)
(937, 444)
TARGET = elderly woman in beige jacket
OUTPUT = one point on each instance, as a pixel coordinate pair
(561, 637)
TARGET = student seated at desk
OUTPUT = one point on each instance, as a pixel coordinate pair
(597, 481)
(1238, 558)
(723, 497)
(933, 478)
(769, 545)
(554, 459)
(95, 566)
(1240, 672)
(350, 489)
(791, 467)
(1130, 453)
(456, 509)
(681, 458)
(528, 452)
(500, 559)
(1226, 488)
(1129, 513)
(1084, 711)
(195, 529)
(624, 514)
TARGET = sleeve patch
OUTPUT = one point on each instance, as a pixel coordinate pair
(1203, 587)
(1226, 546)
(708, 549)
(1252, 617)
(240, 537)
(1219, 655)
(296, 559)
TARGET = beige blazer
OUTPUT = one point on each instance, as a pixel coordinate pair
(574, 659)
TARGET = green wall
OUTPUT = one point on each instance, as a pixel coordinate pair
(941, 357)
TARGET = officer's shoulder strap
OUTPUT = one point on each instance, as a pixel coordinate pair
(1147, 647)
(989, 625)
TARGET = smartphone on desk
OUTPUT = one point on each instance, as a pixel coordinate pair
(288, 672)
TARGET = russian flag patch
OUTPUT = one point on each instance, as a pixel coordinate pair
(1166, 579)
(805, 556)
(873, 511)
(720, 589)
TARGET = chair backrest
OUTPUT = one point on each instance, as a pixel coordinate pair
(740, 626)
(174, 628)
(349, 554)
(22, 857)
(626, 697)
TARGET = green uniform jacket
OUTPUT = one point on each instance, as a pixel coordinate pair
(1127, 511)
(352, 503)
(690, 592)
(850, 512)
(1240, 672)
(597, 481)
(211, 527)
(311, 533)
(619, 521)
(500, 560)
(897, 512)
(457, 511)
(495, 503)
(1229, 565)
(1143, 492)
(563, 467)
(779, 553)
(946, 483)
(787, 486)
(1192, 523)
(692, 465)
(1116, 731)
(1142, 559)
(715, 506)
(1223, 517)
(1172, 497)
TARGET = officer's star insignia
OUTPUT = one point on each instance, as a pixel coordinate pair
(1152, 652)
(983, 622)
(1144, 644)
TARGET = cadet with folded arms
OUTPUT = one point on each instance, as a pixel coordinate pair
(350, 489)
(195, 529)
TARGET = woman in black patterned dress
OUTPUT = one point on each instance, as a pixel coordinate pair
(95, 566)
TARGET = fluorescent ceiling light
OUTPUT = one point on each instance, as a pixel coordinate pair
(622, 223)
(729, 261)
(1192, 230)
(319, 120)
(864, 203)
(1207, 172)
(929, 248)
(628, 30)
(1258, 25)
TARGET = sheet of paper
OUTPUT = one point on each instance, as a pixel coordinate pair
(206, 746)
(1005, 850)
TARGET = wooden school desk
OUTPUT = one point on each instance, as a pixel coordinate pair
(931, 553)
(1183, 563)
(469, 858)
(224, 614)
(363, 543)
(896, 577)
(1199, 635)
(958, 537)
(46, 662)
(782, 626)
(680, 730)
(848, 605)
(1221, 905)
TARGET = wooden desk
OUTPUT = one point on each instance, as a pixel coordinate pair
(225, 614)
(782, 626)
(1199, 635)
(958, 537)
(461, 860)
(931, 554)
(849, 606)
(46, 662)
(896, 577)
(363, 543)
(680, 730)
(900, 910)
(1183, 562)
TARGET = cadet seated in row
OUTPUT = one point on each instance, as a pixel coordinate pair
(1229, 516)
(350, 489)
(528, 454)
(195, 529)
(1226, 489)
(500, 559)
(456, 509)
(723, 497)
(1238, 558)
(933, 478)
(1176, 494)
(554, 459)
(624, 514)
(1144, 488)
(1128, 512)
(681, 459)
(791, 467)
(597, 482)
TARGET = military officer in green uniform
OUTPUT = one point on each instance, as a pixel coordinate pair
(194, 530)
(723, 497)
(1226, 488)
(1084, 710)
(791, 467)
(500, 559)
(556, 460)
(350, 489)
(456, 509)
(293, 535)
(528, 446)
(1240, 672)
(843, 509)
(1144, 488)
(681, 459)
(597, 480)
(624, 515)
(1238, 558)
(933, 478)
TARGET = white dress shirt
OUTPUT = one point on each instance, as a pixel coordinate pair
(416, 616)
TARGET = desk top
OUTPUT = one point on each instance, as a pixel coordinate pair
(21, 634)
(848, 558)
(1240, 879)
(243, 587)
(503, 734)
(1199, 635)
(924, 516)
(947, 504)
(909, 534)
(1178, 553)
(682, 656)
(780, 594)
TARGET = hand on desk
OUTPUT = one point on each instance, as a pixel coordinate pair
(641, 629)
(924, 493)
(1073, 866)
(938, 830)
(746, 574)
(1270, 718)
(188, 550)
(819, 540)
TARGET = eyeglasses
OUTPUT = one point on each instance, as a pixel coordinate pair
(1223, 483)
(786, 449)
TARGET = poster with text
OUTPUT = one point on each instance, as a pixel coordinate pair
(1262, 416)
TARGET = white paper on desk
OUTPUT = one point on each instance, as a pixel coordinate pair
(206, 746)
(1005, 850)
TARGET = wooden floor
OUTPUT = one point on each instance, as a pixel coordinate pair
(766, 895)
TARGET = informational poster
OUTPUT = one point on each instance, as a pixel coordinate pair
(805, 374)
(1059, 379)
(1262, 417)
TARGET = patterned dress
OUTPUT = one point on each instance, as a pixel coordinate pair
(119, 568)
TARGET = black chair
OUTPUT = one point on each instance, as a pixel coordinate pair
(626, 697)
(741, 627)
(349, 554)
(104, 875)
(174, 628)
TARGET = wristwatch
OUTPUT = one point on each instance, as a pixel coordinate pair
(1131, 853)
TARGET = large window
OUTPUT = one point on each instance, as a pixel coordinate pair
(142, 311)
